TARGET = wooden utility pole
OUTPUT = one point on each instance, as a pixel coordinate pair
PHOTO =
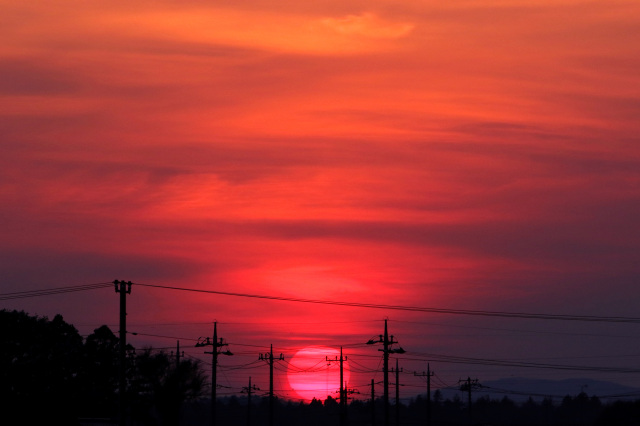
(386, 350)
(385, 397)
(216, 344)
(177, 355)
(249, 390)
(428, 375)
(269, 358)
(343, 392)
(397, 371)
(467, 385)
(373, 403)
(123, 288)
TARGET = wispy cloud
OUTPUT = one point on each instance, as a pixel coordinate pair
(368, 25)
(469, 153)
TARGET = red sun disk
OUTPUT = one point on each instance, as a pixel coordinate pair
(311, 376)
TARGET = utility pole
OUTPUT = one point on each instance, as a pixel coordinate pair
(216, 344)
(178, 355)
(386, 342)
(428, 375)
(385, 397)
(347, 392)
(397, 371)
(343, 393)
(178, 373)
(373, 403)
(269, 358)
(249, 390)
(123, 288)
(467, 385)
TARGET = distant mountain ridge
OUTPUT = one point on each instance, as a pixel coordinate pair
(520, 389)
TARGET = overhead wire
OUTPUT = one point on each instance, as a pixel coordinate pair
(504, 314)
(524, 315)
(513, 330)
(135, 333)
(52, 291)
(420, 356)
(511, 363)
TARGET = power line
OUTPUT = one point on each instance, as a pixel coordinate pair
(52, 291)
(514, 330)
(439, 357)
(524, 315)
(161, 336)
(252, 364)
(511, 363)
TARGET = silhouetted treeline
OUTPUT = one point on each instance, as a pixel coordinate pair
(49, 374)
(580, 410)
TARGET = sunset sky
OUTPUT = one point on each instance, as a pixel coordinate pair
(480, 155)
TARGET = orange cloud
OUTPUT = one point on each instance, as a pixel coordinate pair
(270, 31)
(367, 25)
(409, 152)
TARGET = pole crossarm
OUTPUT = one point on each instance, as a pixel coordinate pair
(342, 391)
(468, 385)
(270, 359)
(216, 345)
(386, 350)
(124, 288)
(249, 390)
(428, 374)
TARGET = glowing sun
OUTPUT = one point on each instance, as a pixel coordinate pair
(311, 376)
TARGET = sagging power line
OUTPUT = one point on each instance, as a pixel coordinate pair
(502, 314)
(53, 291)
(525, 315)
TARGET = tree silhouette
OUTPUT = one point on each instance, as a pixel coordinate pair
(38, 367)
(99, 374)
(158, 388)
(49, 376)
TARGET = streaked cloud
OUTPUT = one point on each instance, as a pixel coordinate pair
(282, 32)
(367, 25)
(473, 154)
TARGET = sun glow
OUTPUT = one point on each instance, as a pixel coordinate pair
(314, 372)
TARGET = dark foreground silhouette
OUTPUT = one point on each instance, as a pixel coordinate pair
(49, 374)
